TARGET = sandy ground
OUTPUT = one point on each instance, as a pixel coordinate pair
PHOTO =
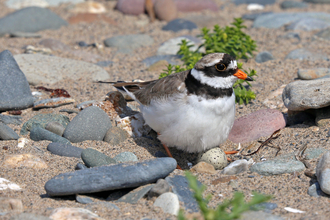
(289, 190)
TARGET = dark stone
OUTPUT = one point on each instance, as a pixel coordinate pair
(94, 158)
(293, 4)
(160, 154)
(159, 188)
(15, 91)
(113, 177)
(254, 16)
(66, 150)
(83, 199)
(104, 63)
(11, 119)
(260, 2)
(179, 24)
(264, 57)
(134, 196)
(6, 133)
(39, 134)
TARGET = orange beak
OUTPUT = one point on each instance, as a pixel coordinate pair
(241, 75)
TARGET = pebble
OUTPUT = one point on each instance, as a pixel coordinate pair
(169, 202)
(52, 103)
(310, 154)
(66, 150)
(260, 2)
(181, 188)
(41, 69)
(115, 136)
(304, 54)
(254, 7)
(39, 134)
(165, 10)
(318, 1)
(179, 24)
(159, 188)
(6, 184)
(104, 63)
(125, 157)
(134, 196)
(308, 24)
(223, 179)
(323, 172)
(73, 213)
(315, 190)
(53, 44)
(10, 119)
(21, 142)
(106, 178)
(13, 80)
(293, 4)
(275, 167)
(266, 206)
(94, 158)
(264, 57)
(171, 46)
(236, 167)
(259, 215)
(203, 167)
(128, 43)
(277, 20)
(6, 133)
(29, 49)
(311, 94)
(80, 166)
(215, 156)
(274, 99)
(10, 204)
(134, 125)
(315, 73)
(17, 4)
(41, 120)
(25, 160)
(91, 123)
(55, 127)
(29, 216)
(25, 34)
(171, 59)
(324, 34)
(258, 124)
(31, 19)
(83, 199)
(254, 16)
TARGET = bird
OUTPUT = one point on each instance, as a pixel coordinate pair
(193, 110)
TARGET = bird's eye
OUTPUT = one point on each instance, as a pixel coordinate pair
(220, 66)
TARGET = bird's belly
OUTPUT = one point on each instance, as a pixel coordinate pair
(193, 125)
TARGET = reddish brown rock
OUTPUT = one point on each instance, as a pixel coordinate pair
(165, 10)
(255, 125)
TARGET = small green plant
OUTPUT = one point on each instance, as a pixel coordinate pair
(229, 209)
(230, 40)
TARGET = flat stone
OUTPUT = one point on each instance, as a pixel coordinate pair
(179, 24)
(128, 43)
(259, 215)
(303, 54)
(255, 125)
(66, 150)
(259, 2)
(41, 69)
(308, 24)
(254, 16)
(264, 57)
(309, 74)
(55, 127)
(323, 172)
(94, 158)
(113, 177)
(171, 59)
(293, 4)
(236, 167)
(83, 199)
(73, 213)
(171, 46)
(29, 216)
(159, 188)
(318, 1)
(30, 19)
(311, 94)
(6, 133)
(25, 34)
(14, 88)
(181, 188)
(315, 190)
(134, 196)
(324, 34)
(169, 203)
(11, 119)
(275, 167)
(25, 160)
(115, 136)
(9, 204)
(90, 124)
(39, 134)
(125, 157)
(266, 206)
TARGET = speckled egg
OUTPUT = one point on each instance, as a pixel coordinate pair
(214, 156)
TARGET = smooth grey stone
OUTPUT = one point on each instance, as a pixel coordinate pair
(14, 88)
(318, 1)
(80, 166)
(29, 216)
(115, 136)
(171, 59)
(125, 157)
(308, 24)
(315, 190)
(260, 2)
(94, 158)
(291, 35)
(117, 194)
(277, 20)
(18, 4)
(66, 150)
(113, 177)
(54, 44)
(104, 63)
(266, 206)
(275, 167)
(55, 127)
(83, 199)
(315, 73)
(40, 134)
(169, 203)
(41, 69)
(304, 54)
(293, 4)
(324, 34)
(259, 215)
(323, 172)
(69, 111)
(264, 57)
(181, 188)
(25, 34)
(128, 43)
(172, 46)
(11, 119)
(236, 167)
(254, 16)
(42, 120)
(310, 153)
(162, 186)
(310, 94)
(90, 124)
(30, 19)
(179, 24)
(134, 196)
(6, 133)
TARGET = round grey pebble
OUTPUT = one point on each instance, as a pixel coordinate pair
(66, 150)
(94, 158)
(115, 136)
(159, 188)
(6, 133)
(39, 134)
(125, 157)
(55, 127)
(264, 57)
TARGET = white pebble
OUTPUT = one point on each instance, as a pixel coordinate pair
(169, 202)
(6, 184)
(289, 209)
(22, 142)
(252, 7)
